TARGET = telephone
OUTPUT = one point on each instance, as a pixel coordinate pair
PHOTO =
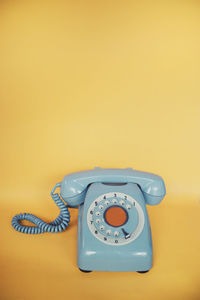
(114, 232)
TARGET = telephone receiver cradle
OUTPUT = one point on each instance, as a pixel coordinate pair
(114, 232)
(74, 186)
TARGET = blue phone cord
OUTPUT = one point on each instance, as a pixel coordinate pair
(58, 225)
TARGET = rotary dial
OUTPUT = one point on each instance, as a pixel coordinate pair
(115, 218)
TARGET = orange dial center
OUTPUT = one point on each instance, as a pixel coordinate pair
(115, 216)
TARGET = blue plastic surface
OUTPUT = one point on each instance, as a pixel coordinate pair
(95, 255)
(73, 186)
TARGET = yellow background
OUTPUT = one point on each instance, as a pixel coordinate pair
(99, 83)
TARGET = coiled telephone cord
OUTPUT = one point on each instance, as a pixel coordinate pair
(58, 225)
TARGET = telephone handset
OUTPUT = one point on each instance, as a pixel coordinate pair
(112, 214)
(74, 186)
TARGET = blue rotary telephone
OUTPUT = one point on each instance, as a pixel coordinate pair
(114, 232)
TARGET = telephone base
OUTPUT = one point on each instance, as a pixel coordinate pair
(131, 250)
